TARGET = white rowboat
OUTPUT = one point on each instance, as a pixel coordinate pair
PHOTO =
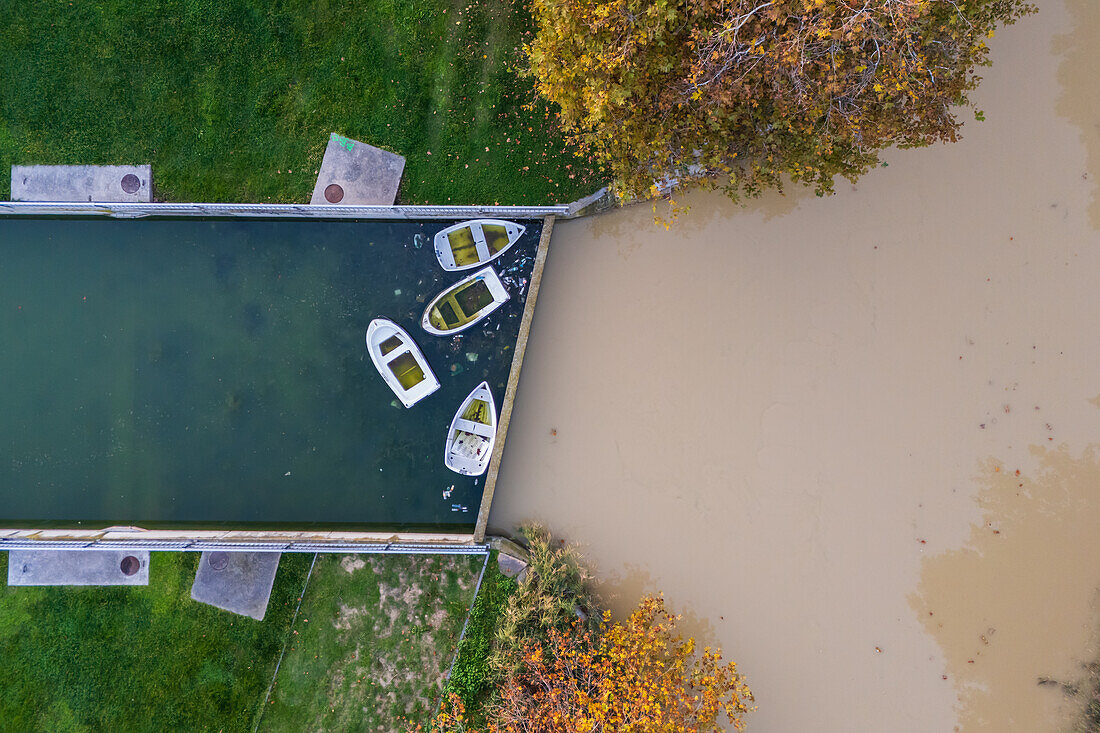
(464, 303)
(476, 242)
(400, 362)
(473, 433)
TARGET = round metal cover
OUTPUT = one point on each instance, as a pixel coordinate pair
(130, 183)
(218, 560)
(334, 193)
(130, 565)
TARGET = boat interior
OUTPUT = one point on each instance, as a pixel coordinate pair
(460, 306)
(405, 368)
(496, 237)
(463, 246)
(469, 446)
(389, 344)
(464, 242)
(478, 411)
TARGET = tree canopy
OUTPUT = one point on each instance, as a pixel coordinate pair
(638, 676)
(753, 92)
(558, 664)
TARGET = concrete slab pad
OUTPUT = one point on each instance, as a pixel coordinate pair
(239, 582)
(353, 172)
(111, 183)
(78, 567)
(510, 566)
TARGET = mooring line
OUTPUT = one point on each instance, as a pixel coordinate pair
(289, 633)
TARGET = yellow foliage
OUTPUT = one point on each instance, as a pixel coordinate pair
(668, 92)
(637, 676)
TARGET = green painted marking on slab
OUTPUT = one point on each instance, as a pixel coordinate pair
(343, 141)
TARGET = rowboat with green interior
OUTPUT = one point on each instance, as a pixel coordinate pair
(464, 303)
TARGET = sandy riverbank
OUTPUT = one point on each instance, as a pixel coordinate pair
(802, 420)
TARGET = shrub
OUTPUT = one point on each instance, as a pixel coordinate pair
(556, 592)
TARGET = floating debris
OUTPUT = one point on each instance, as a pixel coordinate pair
(447, 492)
(395, 403)
(397, 292)
(456, 369)
(287, 473)
(419, 240)
(472, 356)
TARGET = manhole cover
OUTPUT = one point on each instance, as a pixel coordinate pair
(130, 183)
(334, 193)
(218, 560)
(130, 565)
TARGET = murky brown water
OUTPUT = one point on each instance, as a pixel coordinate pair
(1015, 605)
(787, 417)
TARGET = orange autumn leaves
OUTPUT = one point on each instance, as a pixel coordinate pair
(633, 677)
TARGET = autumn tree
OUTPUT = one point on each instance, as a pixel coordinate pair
(634, 677)
(748, 93)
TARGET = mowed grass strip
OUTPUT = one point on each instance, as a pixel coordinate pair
(144, 658)
(372, 642)
(234, 100)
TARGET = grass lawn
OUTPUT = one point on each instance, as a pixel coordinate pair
(373, 640)
(138, 658)
(234, 100)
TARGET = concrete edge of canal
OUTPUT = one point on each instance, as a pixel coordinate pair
(513, 380)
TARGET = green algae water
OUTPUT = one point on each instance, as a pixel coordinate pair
(213, 373)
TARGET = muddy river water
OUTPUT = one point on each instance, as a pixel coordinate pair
(803, 420)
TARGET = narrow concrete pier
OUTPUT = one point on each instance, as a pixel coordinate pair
(513, 380)
(239, 582)
(78, 567)
(353, 172)
(113, 183)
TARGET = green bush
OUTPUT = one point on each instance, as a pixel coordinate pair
(556, 595)
(472, 677)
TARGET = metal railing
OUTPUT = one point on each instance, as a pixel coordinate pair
(172, 545)
(307, 211)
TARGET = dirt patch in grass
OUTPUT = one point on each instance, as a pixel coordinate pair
(372, 643)
(351, 563)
